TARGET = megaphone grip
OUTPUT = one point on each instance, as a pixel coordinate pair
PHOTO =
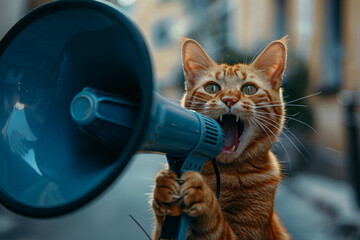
(169, 227)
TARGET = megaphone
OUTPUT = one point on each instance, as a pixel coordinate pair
(77, 102)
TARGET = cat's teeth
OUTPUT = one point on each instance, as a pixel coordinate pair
(237, 118)
(221, 118)
(233, 149)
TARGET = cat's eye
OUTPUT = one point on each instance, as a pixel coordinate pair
(249, 89)
(212, 88)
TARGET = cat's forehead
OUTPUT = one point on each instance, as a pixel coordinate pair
(230, 74)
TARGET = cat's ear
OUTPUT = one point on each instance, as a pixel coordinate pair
(195, 61)
(272, 62)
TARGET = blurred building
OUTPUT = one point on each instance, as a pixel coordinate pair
(324, 41)
(323, 61)
(324, 51)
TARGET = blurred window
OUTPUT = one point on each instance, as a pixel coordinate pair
(332, 49)
(250, 24)
(161, 36)
(305, 22)
(304, 27)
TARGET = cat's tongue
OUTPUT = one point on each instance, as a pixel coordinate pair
(230, 129)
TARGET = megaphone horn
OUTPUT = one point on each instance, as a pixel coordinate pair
(72, 74)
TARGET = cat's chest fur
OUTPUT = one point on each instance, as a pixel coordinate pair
(241, 183)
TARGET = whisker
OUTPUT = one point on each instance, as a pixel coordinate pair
(199, 98)
(201, 54)
(274, 114)
(193, 108)
(282, 104)
(295, 100)
(262, 70)
(282, 145)
(202, 109)
(302, 145)
(299, 121)
(173, 99)
(205, 112)
(201, 65)
(265, 103)
(254, 121)
(189, 101)
(285, 136)
(196, 102)
(311, 95)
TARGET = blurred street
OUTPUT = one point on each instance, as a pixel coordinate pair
(311, 207)
(105, 218)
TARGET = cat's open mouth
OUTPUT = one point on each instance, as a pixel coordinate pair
(233, 128)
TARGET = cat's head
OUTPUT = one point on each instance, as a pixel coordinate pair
(245, 99)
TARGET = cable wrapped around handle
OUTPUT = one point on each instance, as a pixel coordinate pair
(175, 225)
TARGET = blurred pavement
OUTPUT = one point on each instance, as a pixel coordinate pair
(318, 208)
(106, 218)
(310, 206)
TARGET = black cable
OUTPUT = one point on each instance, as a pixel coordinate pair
(217, 178)
(137, 223)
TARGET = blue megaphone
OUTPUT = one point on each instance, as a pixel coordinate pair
(77, 102)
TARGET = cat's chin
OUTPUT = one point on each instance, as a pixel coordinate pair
(227, 156)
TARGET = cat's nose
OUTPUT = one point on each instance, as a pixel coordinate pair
(229, 101)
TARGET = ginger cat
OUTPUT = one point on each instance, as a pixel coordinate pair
(247, 101)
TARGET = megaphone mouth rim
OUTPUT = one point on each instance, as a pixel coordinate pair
(147, 100)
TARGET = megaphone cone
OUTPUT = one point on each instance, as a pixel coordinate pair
(47, 166)
(78, 102)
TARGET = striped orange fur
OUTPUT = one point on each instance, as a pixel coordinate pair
(250, 172)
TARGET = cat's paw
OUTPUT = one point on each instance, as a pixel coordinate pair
(166, 192)
(196, 195)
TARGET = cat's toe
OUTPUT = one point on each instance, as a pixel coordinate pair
(192, 193)
(161, 208)
(166, 187)
(166, 192)
(195, 209)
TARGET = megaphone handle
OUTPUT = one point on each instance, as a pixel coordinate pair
(183, 227)
(175, 225)
(169, 227)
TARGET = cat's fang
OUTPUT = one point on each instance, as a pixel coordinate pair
(237, 118)
(221, 118)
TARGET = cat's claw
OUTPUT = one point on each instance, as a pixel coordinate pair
(194, 211)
